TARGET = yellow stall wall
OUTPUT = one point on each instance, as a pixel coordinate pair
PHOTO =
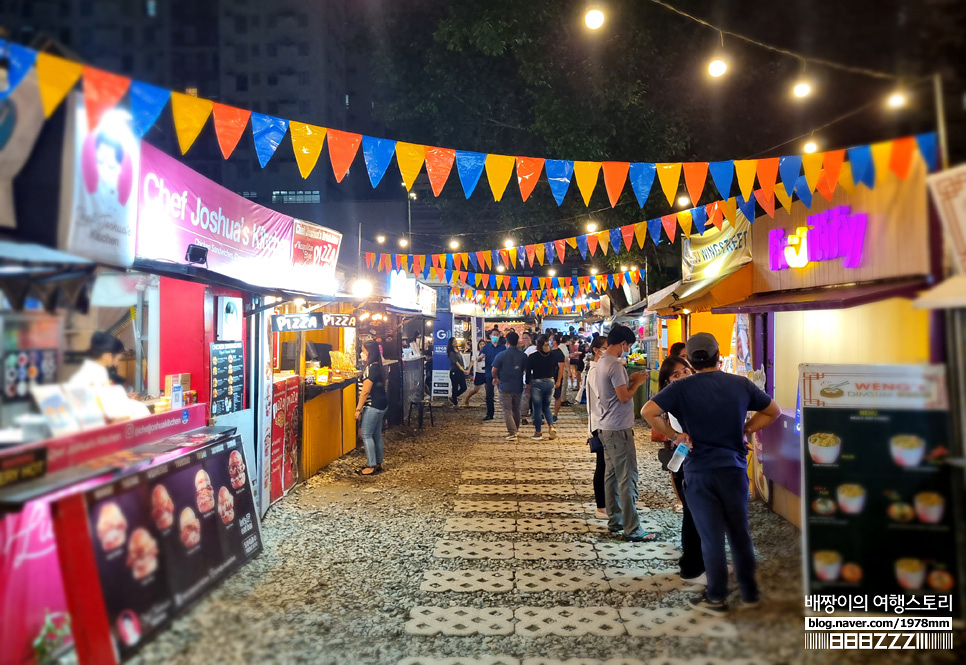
(719, 325)
(321, 431)
(890, 331)
(674, 333)
(349, 399)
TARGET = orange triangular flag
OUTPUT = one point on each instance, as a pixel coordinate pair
(531, 254)
(586, 174)
(640, 232)
(695, 173)
(684, 220)
(627, 235)
(767, 174)
(670, 176)
(670, 224)
(409, 158)
(745, 171)
(812, 166)
(499, 168)
(902, 151)
(615, 176)
(833, 167)
(457, 262)
(55, 78)
(102, 91)
(343, 147)
(230, 123)
(561, 246)
(713, 211)
(592, 243)
(190, 115)
(528, 173)
(766, 201)
(823, 187)
(439, 164)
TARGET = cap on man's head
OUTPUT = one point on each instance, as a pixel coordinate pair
(701, 346)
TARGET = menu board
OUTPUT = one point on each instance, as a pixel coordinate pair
(24, 368)
(227, 377)
(165, 536)
(877, 498)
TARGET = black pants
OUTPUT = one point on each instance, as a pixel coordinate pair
(457, 380)
(599, 480)
(490, 408)
(691, 561)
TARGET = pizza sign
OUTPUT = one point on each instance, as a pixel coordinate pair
(311, 321)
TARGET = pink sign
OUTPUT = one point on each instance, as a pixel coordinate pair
(178, 207)
(315, 246)
(836, 233)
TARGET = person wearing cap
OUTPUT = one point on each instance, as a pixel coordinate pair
(711, 407)
(102, 357)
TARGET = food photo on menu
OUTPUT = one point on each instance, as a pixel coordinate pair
(162, 508)
(226, 506)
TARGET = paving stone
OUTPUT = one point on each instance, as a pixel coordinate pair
(488, 475)
(538, 476)
(581, 661)
(643, 579)
(467, 581)
(486, 462)
(552, 525)
(483, 524)
(532, 581)
(549, 464)
(516, 488)
(460, 621)
(472, 549)
(676, 622)
(568, 621)
(462, 506)
(648, 525)
(616, 551)
(554, 551)
(554, 507)
(462, 660)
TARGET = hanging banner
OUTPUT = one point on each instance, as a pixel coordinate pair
(179, 207)
(716, 252)
(317, 247)
(877, 493)
(442, 331)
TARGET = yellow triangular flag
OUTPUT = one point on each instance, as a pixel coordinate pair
(812, 166)
(684, 221)
(572, 242)
(670, 176)
(730, 209)
(540, 250)
(603, 241)
(465, 258)
(55, 78)
(640, 233)
(513, 256)
(783, 197)
(307, 143)
(586, 174)
(881, 154)
(499, 168)
(745, 170)
(409, 157)
(190, 115)
(845, 178)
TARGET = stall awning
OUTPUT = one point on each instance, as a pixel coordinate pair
(829, 297)
(950, 294)
(55, 278)
(703, 295)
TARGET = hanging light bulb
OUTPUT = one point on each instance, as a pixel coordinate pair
(453, 244)
(683, 201)
(403, 242)
(380, 239)
(810, 147)
(594, 19)
(802, 89)
(591, 227)
(500, 268)
(897, 100)
(551, 272)
(593, 271)
(717, 67)
(508, 243)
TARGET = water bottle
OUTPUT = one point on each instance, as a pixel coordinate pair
(678, 458)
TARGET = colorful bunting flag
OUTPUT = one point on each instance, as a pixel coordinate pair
(766, 201)
(377, 154)
(409, 158)
(669, 175)
(559, 174)
(268, 132)
(654, 228)
(20, 60)
(812, 168)
(591, 243)
(469, 166)
(343, 147)
(642, 179)
(670, 223)
(190, 115)
(499, 168)
(901, 158)
(863, 169)
(789, 168)
(767, 170)
(615, 175)
(147, 102)
(746, 169)
(306, 143)
(102, 91)
(684, 221)
(55, 78)
(881, 154)
(722, 174)
(928, 150)
(439, 164)
(230, 123)
(695, 174)
(586, 174)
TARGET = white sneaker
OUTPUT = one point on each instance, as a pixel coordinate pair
(601, 514)
(511, 437)
(537, 437)
(553, 432)
(701, 579)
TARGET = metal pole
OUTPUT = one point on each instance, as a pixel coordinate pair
(359, 257)
(409, 216)
(937, 90)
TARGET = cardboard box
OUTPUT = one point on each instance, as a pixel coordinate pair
(171, 380)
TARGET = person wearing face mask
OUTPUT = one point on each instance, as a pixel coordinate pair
(542, 373)
(371, 409)
(615, 395)
(490, 352)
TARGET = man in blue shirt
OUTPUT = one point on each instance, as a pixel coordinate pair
(490, 352)
(711, 407)
(508, 370)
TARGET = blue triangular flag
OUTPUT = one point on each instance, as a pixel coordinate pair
(514, 282)
(654, 228)
(582, 246)
(863, 170)
(699, 217)
(521, 254)
(559, 174)
(641, 175)
(789, 167)
(147, 102)
(21, 60)
(804, 193)
(927, 146)
(722, 174)
(747, 208)
(475, 261)
(471, 278)
(449, 262)
(378, 154)
(449, 276)
(469, 165)
(495, 257)
(492, 281)
(555, 283)
(549, 251)
(610, 280)
(268, 131)
(615, 239)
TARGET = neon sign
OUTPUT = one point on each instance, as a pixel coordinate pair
(836, 233)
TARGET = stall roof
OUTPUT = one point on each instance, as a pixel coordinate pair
(829, 297)
(703, 295)
(53, 277)
(950, 294)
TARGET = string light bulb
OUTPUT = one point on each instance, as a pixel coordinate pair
(810, 147)
(802, 89)
(683, 201)
(403, 242)
(453, 244)
(594, 19)
(593, 271)
(500, 268)
(717, 68)
(508, 243)
(551, 272)
(591, 227)
(897, 100)
(380, 239)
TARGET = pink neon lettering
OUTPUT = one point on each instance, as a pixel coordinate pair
(833, 234)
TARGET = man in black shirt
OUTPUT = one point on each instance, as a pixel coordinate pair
(562, 362)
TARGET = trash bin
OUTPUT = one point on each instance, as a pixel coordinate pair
(641, 395)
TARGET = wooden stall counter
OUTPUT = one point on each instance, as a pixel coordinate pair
(328, 424)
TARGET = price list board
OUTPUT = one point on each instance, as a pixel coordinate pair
(227, 377)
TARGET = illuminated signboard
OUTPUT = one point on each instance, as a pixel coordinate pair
(311, 321)
(836, 233)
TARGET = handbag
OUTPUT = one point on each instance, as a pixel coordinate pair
(664, 457)
(596, 445)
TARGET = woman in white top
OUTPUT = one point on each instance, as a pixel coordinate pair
(479, 377)
(597, 349)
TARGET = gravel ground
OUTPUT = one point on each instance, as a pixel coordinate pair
(345, 555)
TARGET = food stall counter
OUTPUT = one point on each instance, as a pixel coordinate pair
(329, 426)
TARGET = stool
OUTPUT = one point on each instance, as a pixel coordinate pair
(421, 406)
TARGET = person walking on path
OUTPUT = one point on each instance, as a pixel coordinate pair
(490, 352)
(542, 373)
(528, 347)
(371, 409)
(593, 426)
(508, 370)
(479, 375)
(711, 407)
(691, 563)
(457, 373)
(561, 360)
(615, 395)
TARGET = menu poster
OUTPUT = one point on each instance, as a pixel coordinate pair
(877, 497)
(227, 377)
(165, 536)
(25, 368)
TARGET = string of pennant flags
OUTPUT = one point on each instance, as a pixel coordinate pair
(104, 90)
(503, 301)
(551, 287)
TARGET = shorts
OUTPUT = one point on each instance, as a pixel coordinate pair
(558, 391)
(580, 366)
(479, 379)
